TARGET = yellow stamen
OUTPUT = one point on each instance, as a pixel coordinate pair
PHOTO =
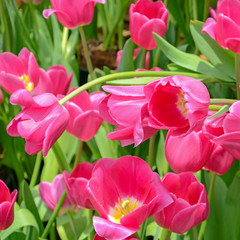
(28, 85)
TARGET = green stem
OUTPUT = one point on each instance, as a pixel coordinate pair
(64, 39)
(165, 234)
(144, 229)
(79, 153)
(72, 225)
(222, 101)
(195, 233)
(206, 9)
(143, 63)
(195, 13)
(36, 170)
(120, 35)
(62, 162)
(33, 15)
(54, 215)
(156, 58)
(210, 193)
(122, 75)
(237, 75)
(151, 150)
(135, 235)
(86, 53)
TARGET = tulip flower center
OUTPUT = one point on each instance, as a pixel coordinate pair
(28, 85)
(122, 208)
(181, 104)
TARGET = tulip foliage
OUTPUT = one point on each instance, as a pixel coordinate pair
(144, 146)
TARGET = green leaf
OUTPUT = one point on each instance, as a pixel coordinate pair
(30, 204)
(221, 58)
(126, 62)
(22, 218)
(17, 236)
(220, 112)
(190, 61)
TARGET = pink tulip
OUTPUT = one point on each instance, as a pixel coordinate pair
(224, 25)
(230, 139)
(146, 17)
(55, 80)
(76, 185)
(177, 102)
(41, 121)
(7, 201)
(72, 14)
(136, 52)
(51, 193)
(187, 153)
(125, 192)
(126, 107)
(190, 206)
(85, 119)
(18, 72)
(1, 97)
(97, 237)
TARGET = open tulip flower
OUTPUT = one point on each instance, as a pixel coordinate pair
(125, 192)
(85, 119)
(126, 107)
(73, 14)
(177, 102)
(7, 201)
(224, 25)
(76, 184)
(190, 206)
(146, 17)
(51, 193)
(97, 237)
(18, 72)
(41, 121)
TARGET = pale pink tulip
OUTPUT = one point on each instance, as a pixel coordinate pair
(126, 107)
(125, 192)
(72, 14)
(190, 206)
(76, 185)
(51, 193)
(85, 119)
(224, 25)
(146, 17)
(7, 201)
(177, 102)
(41, 121)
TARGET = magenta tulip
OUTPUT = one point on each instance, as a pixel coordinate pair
(126, 107)
(146, 17)
(18, 72)
(41, 121)
(190, 206)
(73, 14)
(125, 192)
(51, 193)
(224, 25)
(7, 201)
(85, 119)
(177, 102)
(97, 237)
(76, 185)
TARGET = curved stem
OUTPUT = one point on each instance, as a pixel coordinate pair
(64, 39)
(86, 53)
(237, 75)
(210, 193)
(143, 63)
(62, 162)
(122, 75)
(156, 58)
(195, 233)
(151, 150)
(144, 229)
(54, 215)
(36, 170)
(222, 101)
(165, 234)
(79, 153)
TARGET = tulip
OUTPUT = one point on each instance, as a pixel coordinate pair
(177, 102)
(190, 206)
(41, 121)
(230, 139)
(125, 192)
(126, 107)
(97, 237)
(224, 25)
(7, 201)
(33, 1)
(51, 193)
(18, 72)
(72, 14)
(146, 17)
(85, 119)
(76, 185)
